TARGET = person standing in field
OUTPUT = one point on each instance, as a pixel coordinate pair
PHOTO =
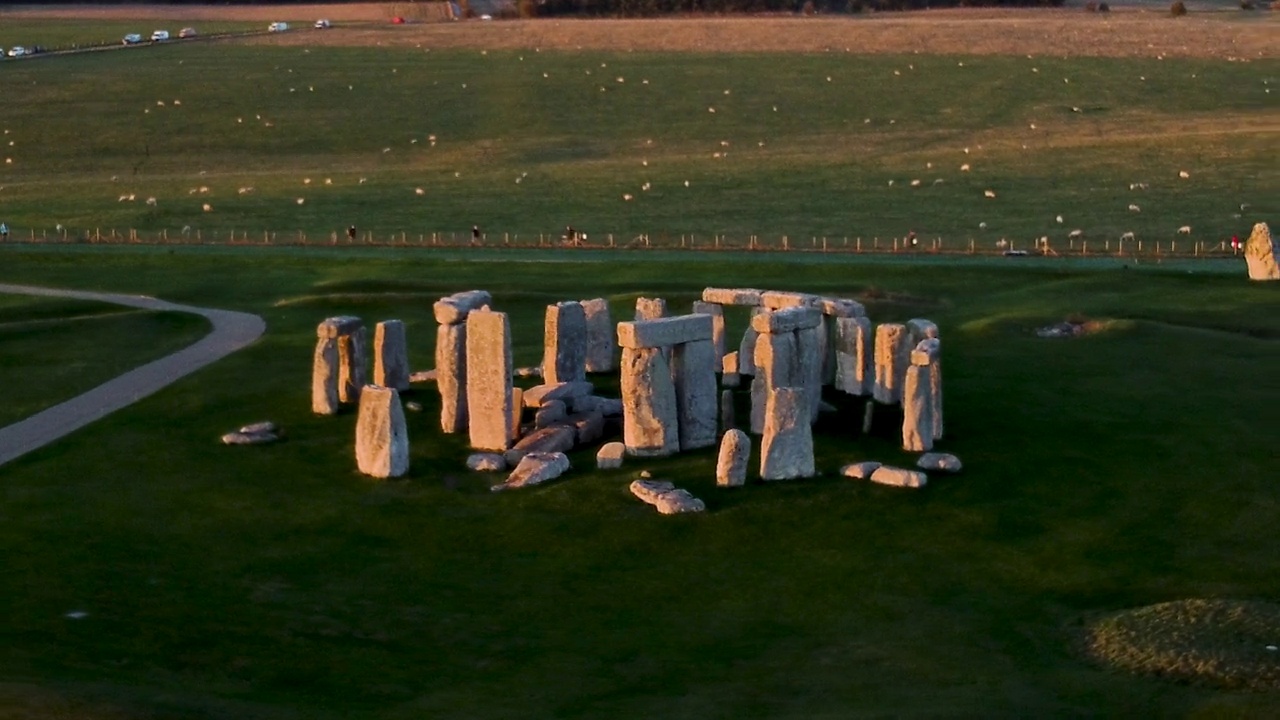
(4, 232)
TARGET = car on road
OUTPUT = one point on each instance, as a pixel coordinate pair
(159, 36)
(132, 39)
(17, 51)
(278, 27)
(323, 24)
(187, 32)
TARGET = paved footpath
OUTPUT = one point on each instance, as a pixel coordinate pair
(231, 332)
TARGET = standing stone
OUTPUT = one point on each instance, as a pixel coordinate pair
(775, 368)
(649, 414)
(382, 441)
(353, 364)
(920, 329)
(650, 308)
(735, 451)
(390, 355)
(917, 425)
(854, 365)
(787, 449)
(759, 404)
(1260, 253)
(727, 414)
(892, 356)
(808, 369)
(565, 341)
(601, 344)
(929, 351)
(453, 309)
(451, 376)
(489, 396)
(747, 348)
(729, 364)
(868, 414)
(324, 377)
(694, 373)
(716, 311)
(517, 405)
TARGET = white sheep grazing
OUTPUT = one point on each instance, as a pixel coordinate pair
(419, 191)
(1134, 208)
(964, 167)
(151, 201)
(627, 197)
(1127, 236)
(208, 207)
(1184, 230)
(915, 183)
(989, 193)
(1075, 234)
(1184, 174)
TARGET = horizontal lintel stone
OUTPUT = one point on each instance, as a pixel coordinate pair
(786, 320)
(665, 332)
(732, 296)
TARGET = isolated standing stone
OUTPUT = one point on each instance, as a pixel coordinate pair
(451, 376)
(609, 456)
(693, 370)
(787, 448)
(735, 451)
(917, 420)
(390, 355)
(601, 345)
(1260, 253)
(650, 418)
(489, 396)
(854, 367)
(382, 441)
(565, 343)
(650, 308)
(716, 312)
(892, 356)
(897, 477)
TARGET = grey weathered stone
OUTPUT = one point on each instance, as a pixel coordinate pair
(898, 477)
(892, 357)
(249, 438)
(535, 469)
(527, 372)
(1260, 253)
(451, 376)
(732, 296)
(747, 347)
(452, 310)
(729, 364)
(694, 374)
(786, 320)
(665, 332)
(382, 439)
(549, 413)
(668, 499)
(650, 424)
(352, 364)
(808, 367)
(422, 376)
(324, 377)
(266, 426)
(609, 457)
(929, 352)
(486, 462)
(650, 308)
(840, 307)
(610, 407)
(920, 329)
(716, 311)
(759, 404)
(868, 413)
(731, 465)
(338, 367)
(583, 403)
(413, 406)
(926, 352)
(787, 448)
(728, 414)
(917, 420)
(557, 438)
(776, 366)
(337, 326)
(854, 365)
(945, 462)
(777, 300)
(390, 355)
(860, 471)
(566, 391)
(564, 357)
(489, 396)
(588, 427)
(517, 407)
(601, 345)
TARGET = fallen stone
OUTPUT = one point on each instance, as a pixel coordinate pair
(610, 407)
(549, 413)
(453, 309)
(609, 457)
(897, 477)
(1260, 252)
(266, 426)
(732, 296)
(665, 332)
(244, 438)
(860, 471)
(731, 466)
(786, 320)
(422, 376)
(535, 469)
(486, 462)
(588, 427)
(601, 348)
(382, 439)
(564, 391)
(944, 462)
(668, 499)
(557, 438)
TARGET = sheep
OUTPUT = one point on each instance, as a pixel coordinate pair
(1184, 174)
(419, 191)
(207, 207)
(964, 167)
(627, 197)
(302, 201)
(245, 190)
(1134, 208)
(151, 201)
(1184, 230)
(1127, 236)
(1059, 219)
(982, 226)
(989, 193)
(915, 183)
(1075, 234)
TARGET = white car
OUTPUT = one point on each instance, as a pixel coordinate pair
(277, 27)
(132, 39)
(323, 24)
(18, 51)
(159, 36)
(187, 32)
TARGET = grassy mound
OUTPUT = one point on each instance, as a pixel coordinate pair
(1225, 643)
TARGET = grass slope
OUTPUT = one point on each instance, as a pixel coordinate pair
(1126, 468)
(528, 142)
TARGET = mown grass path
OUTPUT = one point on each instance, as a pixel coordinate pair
(231, 332)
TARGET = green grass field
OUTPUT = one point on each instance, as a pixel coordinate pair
(530, 142)
(1131, 467)
(61, 34)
